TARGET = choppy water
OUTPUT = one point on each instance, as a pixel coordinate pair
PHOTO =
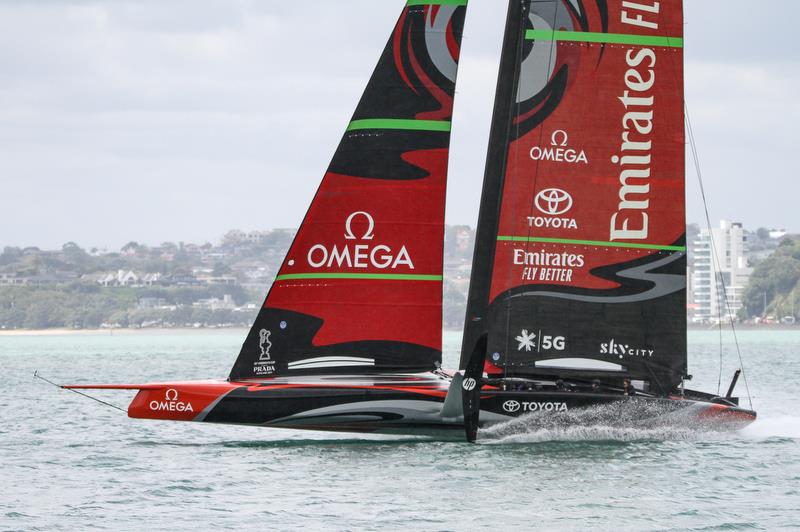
(69, 463)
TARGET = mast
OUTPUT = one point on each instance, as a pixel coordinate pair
(579, 270)
(360, 289)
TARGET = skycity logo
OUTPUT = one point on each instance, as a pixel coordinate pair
(612, 347)
(171, 403)
(559, 150)
(553, 202)
(361, 256)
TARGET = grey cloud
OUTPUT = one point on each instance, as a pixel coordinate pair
(178, 119)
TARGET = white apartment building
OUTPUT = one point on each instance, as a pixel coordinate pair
(721, 273)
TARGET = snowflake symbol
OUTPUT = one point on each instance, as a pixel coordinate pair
(525, 340)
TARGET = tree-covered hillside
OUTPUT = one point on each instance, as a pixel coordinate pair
(773, 289)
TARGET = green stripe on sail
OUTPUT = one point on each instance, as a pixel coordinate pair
(598, 243)
(362, 276)
(398, 123)
(606, 38)
(436, 3)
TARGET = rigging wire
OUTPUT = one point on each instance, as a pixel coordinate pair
(37, 376)
(698, 171)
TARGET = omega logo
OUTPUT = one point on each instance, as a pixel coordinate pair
(362, 255)
(369, 235)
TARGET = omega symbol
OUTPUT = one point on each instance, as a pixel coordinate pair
(368, 235)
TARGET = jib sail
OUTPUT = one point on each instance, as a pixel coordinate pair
(580, 256)
(361, 287)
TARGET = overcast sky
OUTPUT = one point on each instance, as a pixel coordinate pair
(155, 120)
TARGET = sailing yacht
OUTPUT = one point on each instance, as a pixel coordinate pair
(578, 291)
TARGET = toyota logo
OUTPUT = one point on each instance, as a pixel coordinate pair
(511, 406)
(553, 201)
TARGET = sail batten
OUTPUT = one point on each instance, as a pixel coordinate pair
(396, 123)
(632, 245)
(604, 38)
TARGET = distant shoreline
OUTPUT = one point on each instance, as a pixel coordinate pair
(243, 331)
(745, 327)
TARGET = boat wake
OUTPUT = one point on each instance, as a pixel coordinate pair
(622, 421)
(774, 427)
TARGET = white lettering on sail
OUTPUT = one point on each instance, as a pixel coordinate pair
(359, 256)
(559, 150)
(639, 18)
(541, 266)
(553, 203)
(349, 230)
(612, 347)
(631, 221)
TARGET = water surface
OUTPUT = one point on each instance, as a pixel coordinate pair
(70, 463)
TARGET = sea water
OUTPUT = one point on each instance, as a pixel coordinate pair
(69, 463)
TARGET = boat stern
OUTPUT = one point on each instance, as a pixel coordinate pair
(725, 417)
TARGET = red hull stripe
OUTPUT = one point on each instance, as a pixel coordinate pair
(605, 38)
(433, 392)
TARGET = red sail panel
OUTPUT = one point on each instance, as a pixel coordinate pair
(607, 164)
(589, 252)
(361, 286)
(374, 249)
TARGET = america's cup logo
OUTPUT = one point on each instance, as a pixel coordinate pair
(264, 344)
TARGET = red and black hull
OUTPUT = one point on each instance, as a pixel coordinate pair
(413, 404)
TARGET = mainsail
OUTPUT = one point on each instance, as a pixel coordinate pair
(361, 286)
(580, 262)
